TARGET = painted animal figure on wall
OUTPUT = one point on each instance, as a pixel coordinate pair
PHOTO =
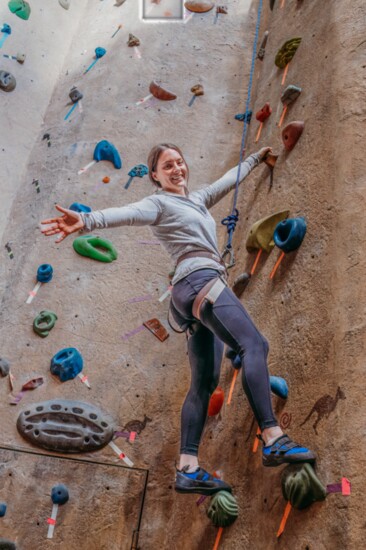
(324, 406)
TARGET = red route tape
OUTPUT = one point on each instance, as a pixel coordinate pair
(51, 521)
(122, 456)
(346, 486)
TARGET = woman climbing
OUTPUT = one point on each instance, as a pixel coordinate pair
(201, 304)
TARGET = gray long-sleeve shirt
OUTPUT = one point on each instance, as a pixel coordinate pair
(181, 224)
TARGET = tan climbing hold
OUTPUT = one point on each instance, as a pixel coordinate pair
(133, 40)
(261, 233)
(199, 6)
(160, 93)
(197, 90)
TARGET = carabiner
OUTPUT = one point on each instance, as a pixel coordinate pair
(229, 251)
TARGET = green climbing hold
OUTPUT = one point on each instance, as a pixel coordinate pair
(44, 322)
(301, 486)
(20, 8)
(223, 509)
(287, 52)
(95, 247)
(261, 232)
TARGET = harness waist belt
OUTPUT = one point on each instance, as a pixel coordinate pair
(200, 254)
(211, 291)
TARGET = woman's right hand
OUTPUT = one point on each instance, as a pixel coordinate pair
(69, 223)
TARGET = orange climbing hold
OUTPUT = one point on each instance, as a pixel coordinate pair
(106, 179)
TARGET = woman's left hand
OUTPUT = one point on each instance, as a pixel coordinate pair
(263, 153)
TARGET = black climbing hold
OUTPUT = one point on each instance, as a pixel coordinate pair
(4, 367)
(7, 544)
(59, 494)
(241, 283)
(66, 426)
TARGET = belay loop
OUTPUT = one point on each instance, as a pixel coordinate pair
(230, 222)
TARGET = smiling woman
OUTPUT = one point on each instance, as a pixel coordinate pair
(202, 304)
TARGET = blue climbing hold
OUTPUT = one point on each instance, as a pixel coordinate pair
(244, 117)
(104, 150)
(289, 234)
(2, 509)
(99, 52)
(6, 28)
(59, 494)
(279, 386)
(67, 363)
(44, 273)
(234, 358)
(78, 207)
(139, 171)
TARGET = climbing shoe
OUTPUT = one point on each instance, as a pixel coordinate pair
(285, 451)
(200, 482)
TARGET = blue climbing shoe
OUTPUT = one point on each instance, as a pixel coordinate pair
(285, 451)
(200, 482)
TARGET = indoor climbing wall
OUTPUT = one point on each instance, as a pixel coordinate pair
(100, 380)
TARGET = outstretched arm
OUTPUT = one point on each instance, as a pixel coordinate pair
(144, 212)
(221, 187)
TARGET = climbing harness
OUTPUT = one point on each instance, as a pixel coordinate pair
(230, 221)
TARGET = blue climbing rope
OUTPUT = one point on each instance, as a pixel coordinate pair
(230, 221)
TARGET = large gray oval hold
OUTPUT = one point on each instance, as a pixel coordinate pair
(66, 426)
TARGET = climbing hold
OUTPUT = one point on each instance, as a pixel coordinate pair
(234, 358)
(199, 6)
(137, 425)
(216, 402)
(75, 95)
(240, 284)
(4, 367)
(104, 150)
(7, 544)
(44, 322)
(99, 52)
(222, 9)
(244, 117)
(66, 426)
(291, 134)
(261, 232)
(59, 494)
(197, 90)
(2, 509)
(78, 207)
(158, 330)
(160, 93)
(287, 52)
(20, 8)
(44, 273)
(264, 113)
(279, 386)
(262, 48)
(20, 57)
(133, 40)
(64, 3)
(270, 159)
(7, 81)
(301, 486)
(119, 2)
(6, 29)
(271, 4)
(67, 363)
(139, 171)
(289, 234)
(95, 247)
(223, 509)
(290, 94)
(106, 179)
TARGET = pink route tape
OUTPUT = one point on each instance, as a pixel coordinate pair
(133, 332)
(144, 298)
(346, 486)
(51, 521)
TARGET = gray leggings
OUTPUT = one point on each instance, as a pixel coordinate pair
(226, 321)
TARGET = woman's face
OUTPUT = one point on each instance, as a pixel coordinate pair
(171, 172)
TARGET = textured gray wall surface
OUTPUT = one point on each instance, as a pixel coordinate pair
(312, 312)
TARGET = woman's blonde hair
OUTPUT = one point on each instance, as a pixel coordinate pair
(154, 155)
